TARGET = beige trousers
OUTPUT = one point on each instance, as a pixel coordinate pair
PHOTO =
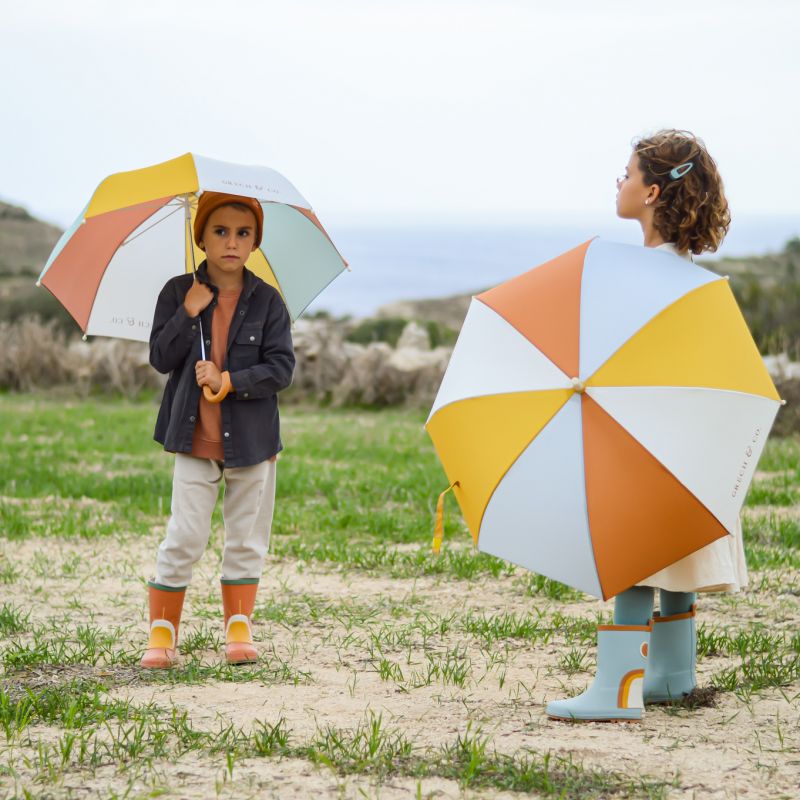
(247, 506)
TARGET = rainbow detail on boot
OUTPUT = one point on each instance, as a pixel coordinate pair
(630, 690)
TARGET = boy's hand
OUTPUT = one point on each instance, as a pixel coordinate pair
(197, 298)
(207, 374)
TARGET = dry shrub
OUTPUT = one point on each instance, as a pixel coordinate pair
(34, 354)
(331, 369)
(117, 366)
(38, 355)
(788, 419)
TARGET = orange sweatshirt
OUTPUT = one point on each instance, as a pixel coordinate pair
(207, 439)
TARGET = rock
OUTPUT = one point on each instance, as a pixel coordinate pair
(345, 373)
(415, 337)
(780, 368)
(321, 354)
(447, 311)
(364, 379)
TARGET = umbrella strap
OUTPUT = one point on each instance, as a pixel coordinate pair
(438, 528)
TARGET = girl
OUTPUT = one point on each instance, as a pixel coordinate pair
(671, 186)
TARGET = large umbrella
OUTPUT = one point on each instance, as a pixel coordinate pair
(602, 415)
(135, 233)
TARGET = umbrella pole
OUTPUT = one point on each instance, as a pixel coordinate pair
(190, 245)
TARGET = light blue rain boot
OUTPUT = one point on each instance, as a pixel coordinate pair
(670, 672)
(616, 693)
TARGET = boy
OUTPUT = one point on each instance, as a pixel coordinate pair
(220, 418)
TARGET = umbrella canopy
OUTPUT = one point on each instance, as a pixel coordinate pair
(602, 415)
(109, 266)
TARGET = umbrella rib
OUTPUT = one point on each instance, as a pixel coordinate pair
(157, 222)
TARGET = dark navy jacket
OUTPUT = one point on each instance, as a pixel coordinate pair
(259, 358)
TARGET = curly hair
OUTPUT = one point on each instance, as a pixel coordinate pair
(691, 211)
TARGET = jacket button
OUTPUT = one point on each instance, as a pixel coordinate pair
(252, 338)
(241, 313)
(246, 394)
(191, 419)
(194, 327)
(227, 435)
(208, 342)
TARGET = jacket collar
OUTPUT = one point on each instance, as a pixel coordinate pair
(248, 286)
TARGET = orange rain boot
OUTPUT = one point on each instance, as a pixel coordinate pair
(166, 605)
(238, 600)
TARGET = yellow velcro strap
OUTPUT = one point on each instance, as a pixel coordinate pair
(162, 634)
(224, 389)
(438, 528)
(238, 630)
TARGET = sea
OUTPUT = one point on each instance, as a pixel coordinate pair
(413, 262)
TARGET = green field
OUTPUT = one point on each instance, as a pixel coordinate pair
(385, 670)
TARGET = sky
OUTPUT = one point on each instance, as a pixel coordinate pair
(406, 112)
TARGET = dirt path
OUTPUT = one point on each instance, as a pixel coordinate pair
(333, 628)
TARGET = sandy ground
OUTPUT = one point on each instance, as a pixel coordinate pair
(740, 748)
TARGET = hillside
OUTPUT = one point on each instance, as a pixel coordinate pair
(25, 242)
(768, 290)
(767, 287)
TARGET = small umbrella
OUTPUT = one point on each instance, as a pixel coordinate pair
(136, 232)
(602, 415)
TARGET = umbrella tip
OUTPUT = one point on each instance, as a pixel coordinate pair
(38, 283)
(783, 402)
(727, 277)
(84, 337)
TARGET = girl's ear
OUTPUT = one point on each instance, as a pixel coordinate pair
(202, 246)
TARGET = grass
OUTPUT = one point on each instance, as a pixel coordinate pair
(340, 503)
(356, 501)
(772, 542)
(97, 731)
(766, 659)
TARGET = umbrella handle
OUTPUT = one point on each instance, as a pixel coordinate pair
(224, 389)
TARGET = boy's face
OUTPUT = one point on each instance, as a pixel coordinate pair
(229, 238)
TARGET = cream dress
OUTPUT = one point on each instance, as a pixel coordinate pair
(717, 567)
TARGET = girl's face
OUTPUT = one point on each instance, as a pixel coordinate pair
(634, 199)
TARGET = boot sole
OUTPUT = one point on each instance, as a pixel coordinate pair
(589, 719)
(160, 662)
(162, 665)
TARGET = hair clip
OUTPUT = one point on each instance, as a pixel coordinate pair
(680, 170)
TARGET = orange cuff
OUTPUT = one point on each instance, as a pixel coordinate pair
(223, 392)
